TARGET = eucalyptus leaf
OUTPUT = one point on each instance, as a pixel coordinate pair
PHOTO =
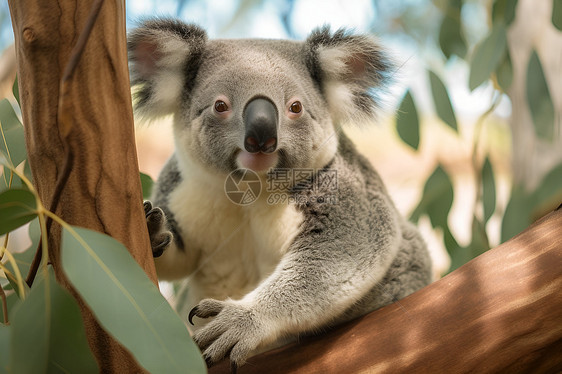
(30, 332)
(25, 258)
(16, 91)
(127, 304)
(539, 99)
(451, 40)
(437, 199)
(549, 191)
(69, 351)
(504, 73)
(488, 190)
(17, 207)
(487, 56)
(146, 184)
(443, 105)
(407, 122)
(48, 333)
(478, 244)
(12, 141)
(5, 332)
(12, 300)
(14, 285)
(557, 14)
(9, 180)
(517, 215)
(459, 255)
(504, 11)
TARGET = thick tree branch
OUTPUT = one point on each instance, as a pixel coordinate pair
(500, 313)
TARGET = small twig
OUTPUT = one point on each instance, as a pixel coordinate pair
(4, 305)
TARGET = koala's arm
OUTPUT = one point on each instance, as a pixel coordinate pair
(172, 257)
(335, 261)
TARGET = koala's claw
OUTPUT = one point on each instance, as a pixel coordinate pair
(234, 332)
(207, 308)
(192, 313)
(160, 237)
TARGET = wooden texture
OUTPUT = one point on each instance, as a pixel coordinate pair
(500, 313)
(93, 121)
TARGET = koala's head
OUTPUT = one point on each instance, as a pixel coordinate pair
(254, 103)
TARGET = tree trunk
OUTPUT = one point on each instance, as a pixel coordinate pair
(76, 108)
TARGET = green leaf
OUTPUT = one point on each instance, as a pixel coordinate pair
(12, 300)
(488, 190)
(487, 56)
(25, 258)
(16, 91)
(478, 244)
(451, 40)
(48, 334)
(10, 180)
(5, 332)
(437, 199)
(127, 304)
(17, 207)
(442, 102)
(557, 14)
(549, 191)
(407, 121)
(146, 184)
(504, 11)
(517, 215)
(504, 73)
(459, 255)
(12, 141)
(538, 97)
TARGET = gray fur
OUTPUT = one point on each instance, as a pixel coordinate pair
(345, 257)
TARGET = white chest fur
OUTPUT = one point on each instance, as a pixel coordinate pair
(237, 246)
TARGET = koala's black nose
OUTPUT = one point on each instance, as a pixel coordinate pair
(260, 120)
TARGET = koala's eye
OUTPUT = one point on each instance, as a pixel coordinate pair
(296, 107)
(221, 106)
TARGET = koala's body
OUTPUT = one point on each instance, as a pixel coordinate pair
(324, 254)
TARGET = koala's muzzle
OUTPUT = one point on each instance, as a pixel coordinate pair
(260, 121)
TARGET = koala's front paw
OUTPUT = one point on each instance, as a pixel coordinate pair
(234, 331)
(160, 236)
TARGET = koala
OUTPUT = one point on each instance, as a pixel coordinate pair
(266, 117)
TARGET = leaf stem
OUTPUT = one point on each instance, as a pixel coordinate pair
(19, 279)
(44, 244)
(4, 306)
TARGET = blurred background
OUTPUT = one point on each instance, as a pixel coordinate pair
(469, 142)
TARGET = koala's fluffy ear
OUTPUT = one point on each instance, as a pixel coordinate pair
(349, 69)
(164, 56)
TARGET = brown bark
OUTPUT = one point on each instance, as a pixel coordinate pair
(84, 111)
(500, 313)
